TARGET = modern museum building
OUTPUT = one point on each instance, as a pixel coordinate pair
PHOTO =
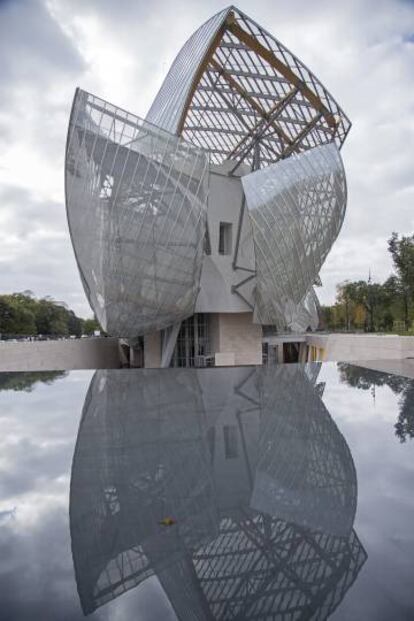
(202, 228)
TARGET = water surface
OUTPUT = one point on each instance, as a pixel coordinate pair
(245, 493)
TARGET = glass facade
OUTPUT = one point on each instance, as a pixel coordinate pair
(193, 348)
(136, 204)
(296, 207)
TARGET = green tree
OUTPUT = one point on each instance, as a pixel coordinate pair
(22, 314)
(345, 296)
(75, 324)
(7, 316)
(372, 296)
(90, 325)
(326, 320)
(51, 318)
(402, 252)
(16, 317)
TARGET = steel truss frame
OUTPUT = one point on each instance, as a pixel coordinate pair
(247, 89)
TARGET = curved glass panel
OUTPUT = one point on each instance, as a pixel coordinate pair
(168, 105)
(296, 207)
(307, 313)
(136, 201)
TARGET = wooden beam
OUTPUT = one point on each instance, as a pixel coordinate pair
(261, 127)
(305, 131)
(250, 100)
(284, 70)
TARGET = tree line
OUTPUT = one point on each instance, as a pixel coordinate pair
(22, 314)
(360, 305)
(370, 306)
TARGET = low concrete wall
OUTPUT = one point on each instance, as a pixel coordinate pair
(351, 347)
(104, 353)
(60, 355)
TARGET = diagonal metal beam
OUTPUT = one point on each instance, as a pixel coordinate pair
(236, 111)
(250, 100)
(284, 70)
(261, 127)
(305, 131)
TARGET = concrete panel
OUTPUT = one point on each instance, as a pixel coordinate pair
(354, 347)
(238, 334)
(152, 350)
(217, 274)
(224, 359)
(60, 355)
(214, 332)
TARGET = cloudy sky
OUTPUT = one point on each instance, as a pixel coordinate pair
(363, 51)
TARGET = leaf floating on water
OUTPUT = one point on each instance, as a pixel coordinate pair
(167, 521)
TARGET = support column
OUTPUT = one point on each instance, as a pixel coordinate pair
(302, 352)
(280, 357)
(152, 350)
(168, 344)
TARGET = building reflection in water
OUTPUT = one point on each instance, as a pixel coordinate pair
(249, 464)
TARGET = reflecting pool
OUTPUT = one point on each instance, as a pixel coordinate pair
(223, 493)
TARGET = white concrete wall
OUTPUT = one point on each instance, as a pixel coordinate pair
(354, 347)
(152, 350)
(60, 355)
(239, 338)
(225, 359)
(218, 275)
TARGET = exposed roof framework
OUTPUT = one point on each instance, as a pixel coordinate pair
(247, 89)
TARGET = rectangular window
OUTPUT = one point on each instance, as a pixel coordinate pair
(230, 441)
(225, 238)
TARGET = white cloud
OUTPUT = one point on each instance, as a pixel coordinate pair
(362, 50)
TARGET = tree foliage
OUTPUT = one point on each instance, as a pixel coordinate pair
(90, 326)
(371, 306)
(402, 252)
(21, 314)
